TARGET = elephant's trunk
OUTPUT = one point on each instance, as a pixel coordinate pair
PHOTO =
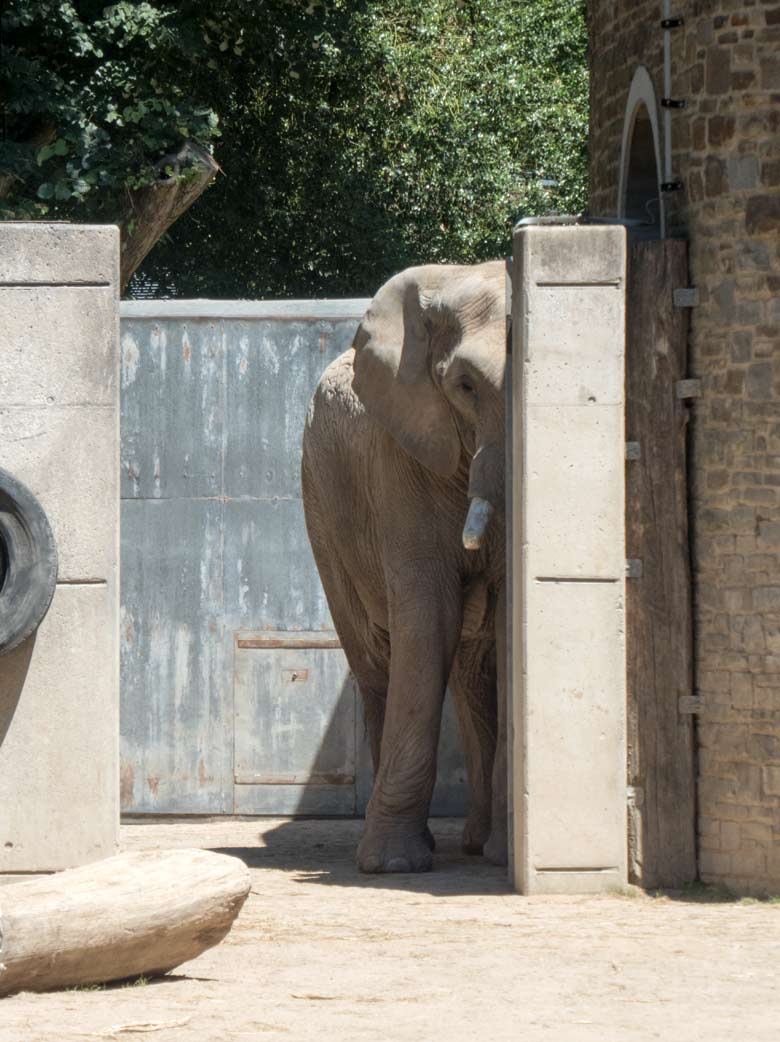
(480, 511)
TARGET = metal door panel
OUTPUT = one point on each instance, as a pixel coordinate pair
(214, 543)
(175, 740)
(271, 580)
(310, 801)
(173, 399)
(294, 713)
(272, 372)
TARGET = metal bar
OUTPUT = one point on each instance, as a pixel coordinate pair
(297, 779)
(270, 310)
(667, 93)
(634, 568)
(252, 643)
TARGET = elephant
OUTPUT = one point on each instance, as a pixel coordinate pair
(403, 493)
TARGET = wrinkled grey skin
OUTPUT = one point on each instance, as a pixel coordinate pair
(404, 432)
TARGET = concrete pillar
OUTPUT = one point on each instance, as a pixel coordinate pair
(568, 561)
(59, 435)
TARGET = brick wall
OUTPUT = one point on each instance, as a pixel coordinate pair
(726, 150)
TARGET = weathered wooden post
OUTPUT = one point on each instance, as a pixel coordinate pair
(661, 700)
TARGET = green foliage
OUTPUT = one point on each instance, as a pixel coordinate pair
(93, 98)
(357, 136)
(387, 133)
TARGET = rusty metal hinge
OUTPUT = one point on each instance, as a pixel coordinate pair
(634, 568)
(633, 450)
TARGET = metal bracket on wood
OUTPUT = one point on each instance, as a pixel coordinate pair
(632, 450)
(686, 297)
(688, 388)
(672, 186)
(634, 569)
(689, 704)
(673, 103)
(672, 23)
(635, 795)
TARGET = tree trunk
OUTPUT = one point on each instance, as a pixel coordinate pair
(131, 915)
(151, 210)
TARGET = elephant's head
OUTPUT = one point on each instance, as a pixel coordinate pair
(429, 367)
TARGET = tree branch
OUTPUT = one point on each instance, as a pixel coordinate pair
(151, 210)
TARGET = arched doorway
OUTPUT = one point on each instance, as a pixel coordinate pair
(639, 196)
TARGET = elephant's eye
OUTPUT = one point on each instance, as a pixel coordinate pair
(466, 385)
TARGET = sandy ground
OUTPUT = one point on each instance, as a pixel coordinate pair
(320, 952)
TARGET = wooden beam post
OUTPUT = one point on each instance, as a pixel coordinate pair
(661, 727)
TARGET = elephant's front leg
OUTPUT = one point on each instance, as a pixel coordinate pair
(425, 616)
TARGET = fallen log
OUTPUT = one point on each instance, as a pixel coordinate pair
(136, 914)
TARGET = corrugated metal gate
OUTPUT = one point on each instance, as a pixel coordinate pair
(235, 695)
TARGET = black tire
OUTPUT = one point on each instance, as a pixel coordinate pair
(28, 563)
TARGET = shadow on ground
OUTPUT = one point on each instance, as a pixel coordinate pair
(324, 852)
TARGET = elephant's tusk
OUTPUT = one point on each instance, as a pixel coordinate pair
(480, 512)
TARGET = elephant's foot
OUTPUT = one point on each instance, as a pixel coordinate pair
(395, 851)
(496, 849)
(475, 833)
(429, 839)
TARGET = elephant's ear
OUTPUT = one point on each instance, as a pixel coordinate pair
(393, 373)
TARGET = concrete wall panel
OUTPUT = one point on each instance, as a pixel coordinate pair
(59, 435)
(58, 737)
(67, 457)
(556, 254)
(59, 254)
(54, 347)
(561, 322)
(568, 665)
(574, 471)
(575, 732)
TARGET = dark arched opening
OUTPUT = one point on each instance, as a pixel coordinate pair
(642, 198)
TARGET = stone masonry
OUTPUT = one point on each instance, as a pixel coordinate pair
(726, 151)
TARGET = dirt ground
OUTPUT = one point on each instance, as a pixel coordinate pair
(320, 952)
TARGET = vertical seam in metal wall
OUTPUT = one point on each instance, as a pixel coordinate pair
(227, 636)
